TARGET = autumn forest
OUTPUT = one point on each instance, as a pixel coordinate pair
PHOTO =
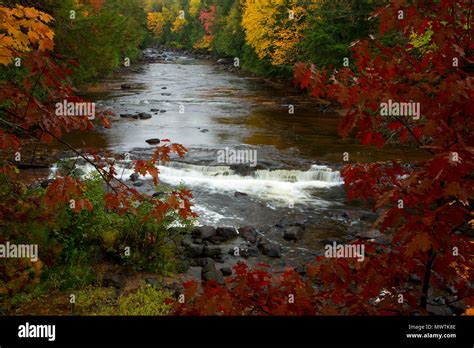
(236, 157)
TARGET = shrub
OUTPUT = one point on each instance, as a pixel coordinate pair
(103, 301)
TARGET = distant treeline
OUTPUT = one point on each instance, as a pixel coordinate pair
(267, 36)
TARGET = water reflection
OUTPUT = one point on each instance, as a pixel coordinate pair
(219, 109)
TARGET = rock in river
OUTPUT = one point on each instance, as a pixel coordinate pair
(153, 141)
(203, 232)
(212, 251)
(270, 249)
(194, 250)
(293, 233)
(248, 233)
(210, 272)
(226, 233)
(144, 116)
(226, 271)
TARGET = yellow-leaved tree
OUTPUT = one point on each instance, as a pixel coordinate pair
(21, 29)
(194, 6)
(160, 13)
(274, 27)
(156, 23)
(178, 24)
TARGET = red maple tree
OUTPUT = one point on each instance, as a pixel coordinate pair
(28, 113)
(426, 208)
(207, 18)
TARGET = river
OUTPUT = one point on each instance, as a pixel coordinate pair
(208, 109)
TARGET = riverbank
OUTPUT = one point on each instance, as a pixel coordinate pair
(294, 177)
(286, 208)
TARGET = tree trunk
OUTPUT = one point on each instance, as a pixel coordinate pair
(426, 280)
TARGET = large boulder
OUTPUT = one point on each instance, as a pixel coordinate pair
(293, 233)
(270, 249)
(212, 251)
(209, 272)
(203, 232)
(248, 233)
(226, 233)
(153, 141)
(194, 250)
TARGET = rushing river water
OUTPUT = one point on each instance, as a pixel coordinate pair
(209, 109)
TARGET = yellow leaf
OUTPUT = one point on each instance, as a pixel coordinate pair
(469, 311)
(31, 12)
(14, 23)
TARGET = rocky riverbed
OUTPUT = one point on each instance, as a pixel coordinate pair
(284, 208)
(283, 211)
(212, 252)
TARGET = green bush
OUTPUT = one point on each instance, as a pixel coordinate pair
(151, 243)
(103, 301)
(71, 243)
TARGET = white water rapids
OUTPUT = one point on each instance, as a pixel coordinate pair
(277, 187)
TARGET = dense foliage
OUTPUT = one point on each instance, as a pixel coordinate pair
(420, 53)
(98, 35)
(426, 208)
(71, 219)
(266, 36)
